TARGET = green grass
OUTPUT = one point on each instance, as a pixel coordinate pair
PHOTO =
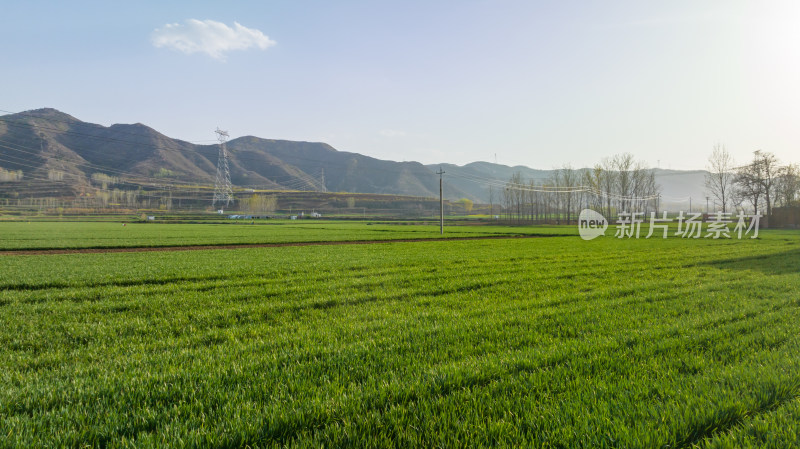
(551, 342)
(48, 235)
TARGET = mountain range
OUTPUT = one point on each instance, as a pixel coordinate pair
(58, 154)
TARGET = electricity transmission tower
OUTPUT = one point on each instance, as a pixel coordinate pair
(223, 191)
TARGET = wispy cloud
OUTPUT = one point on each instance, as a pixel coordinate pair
(210, 37)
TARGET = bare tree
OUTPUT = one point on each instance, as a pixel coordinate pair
(518, 193)
(720, 176)
(748, 183)
(594, 179)
(531, 199)
(491, 201)
(630, 182)
(609, 180)
(787, 191)
(568, 179)
(507, 204)
(555, 181)
(645, 188)
(623, 165)
(769, 175)
(520, 198)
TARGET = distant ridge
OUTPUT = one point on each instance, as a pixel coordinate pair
(44, 142)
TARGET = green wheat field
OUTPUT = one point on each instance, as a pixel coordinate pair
(547, 342)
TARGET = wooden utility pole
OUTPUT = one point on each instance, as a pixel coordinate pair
(441, 202)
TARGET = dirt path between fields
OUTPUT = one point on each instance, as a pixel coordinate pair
(139, 249)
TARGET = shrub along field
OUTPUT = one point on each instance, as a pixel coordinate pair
(552, 342)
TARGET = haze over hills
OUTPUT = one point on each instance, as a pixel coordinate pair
(59, 155)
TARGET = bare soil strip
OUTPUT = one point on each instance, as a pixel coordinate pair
(139, 249)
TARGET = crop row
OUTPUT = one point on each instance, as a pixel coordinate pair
(542, 342)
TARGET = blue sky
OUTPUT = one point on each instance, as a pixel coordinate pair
(536, 83)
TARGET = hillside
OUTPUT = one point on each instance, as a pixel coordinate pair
(60, 155)
(48, 145)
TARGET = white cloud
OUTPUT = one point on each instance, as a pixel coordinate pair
(209, 37)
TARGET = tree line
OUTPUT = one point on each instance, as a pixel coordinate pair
(618, 183)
